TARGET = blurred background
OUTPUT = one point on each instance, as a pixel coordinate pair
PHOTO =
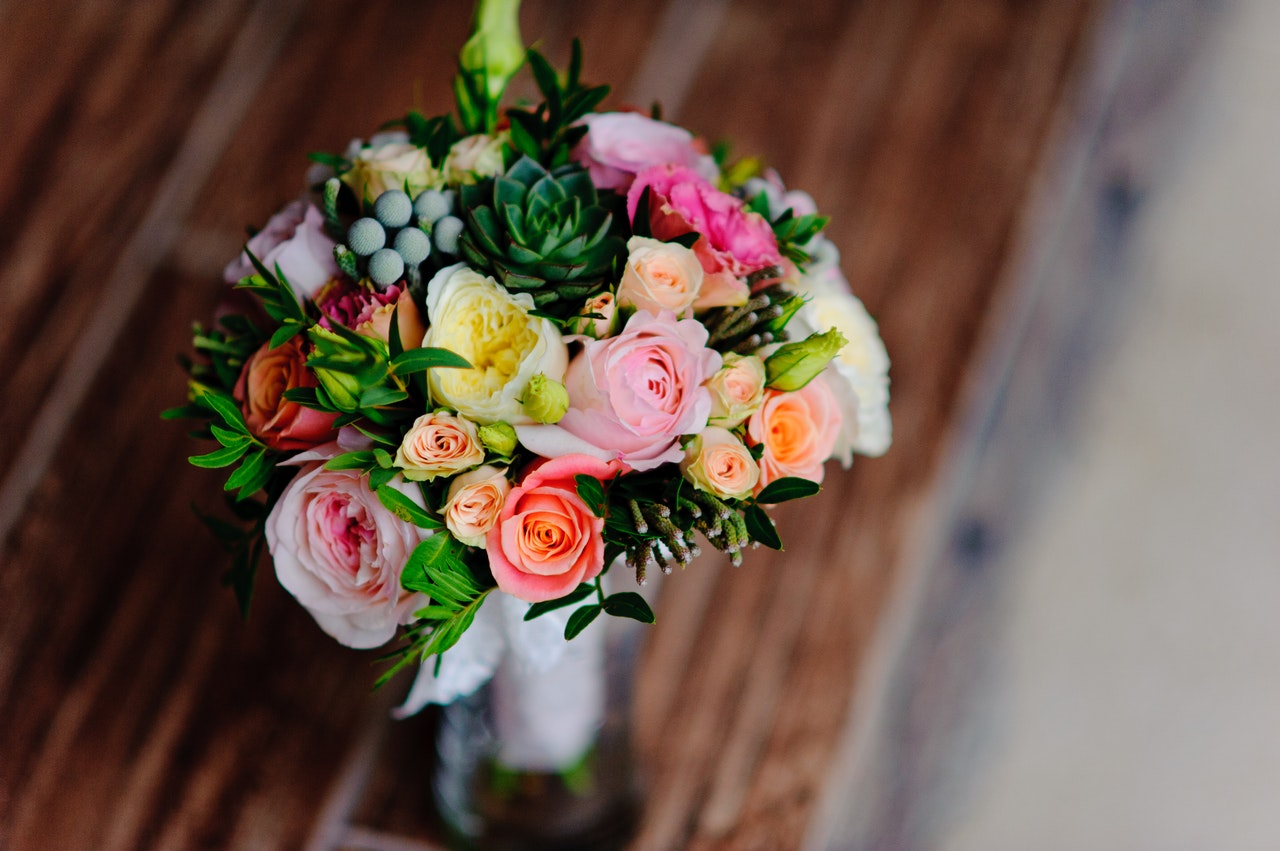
(1044, 620)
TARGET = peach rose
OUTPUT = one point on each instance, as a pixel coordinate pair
(660, 276)
(439, 444)
(474, 502)
(271, 418)
(717, 462)
(737, 390)
(798, 430)
(547, 540)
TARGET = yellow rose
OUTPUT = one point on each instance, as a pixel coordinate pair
(660, 276)
(391, 166)
(472, 315)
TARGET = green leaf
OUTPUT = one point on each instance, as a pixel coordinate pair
(251, 475)
(580, 620)
(406, 509)
(375, 397)
(629, 604)
(285, 333)
(580, 593)
(351, 461)
(760, 527)
(227, 437)
(790, 487)
(436, 567)
(592, 493)
(222, 405)
(224, 457)
(427, 357)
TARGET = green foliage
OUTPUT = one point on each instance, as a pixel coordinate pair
(582, 592)
(580, 620)
(787, 488)
(549, 132)
(436, 568)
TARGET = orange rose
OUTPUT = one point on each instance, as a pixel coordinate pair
(799, 431)
(273, 419)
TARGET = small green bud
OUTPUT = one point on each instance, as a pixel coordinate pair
(794, 365)
(495, 50)
(499, 438)
(545, 399)
(343, 387)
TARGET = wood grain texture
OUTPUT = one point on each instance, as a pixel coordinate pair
(137, 711)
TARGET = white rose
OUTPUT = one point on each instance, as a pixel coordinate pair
(859, 374)
(473, 158)
(395, 165)
(660, 276)
(340, 553)
(474, 316)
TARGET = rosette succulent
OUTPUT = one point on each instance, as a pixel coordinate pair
(540, 232)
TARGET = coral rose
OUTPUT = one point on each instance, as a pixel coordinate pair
(271, 418)
(799, 431)
(548, 540)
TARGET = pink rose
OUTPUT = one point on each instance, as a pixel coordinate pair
(366, 310)
(735, 242)
(340, 553)
(632, 396)
(273, 419)
(799, 431)
(294, 239)
(548, 540)
(619, 145)
(718, 463)
(660, 276)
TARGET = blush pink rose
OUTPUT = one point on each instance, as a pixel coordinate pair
(340, 553)
(632, 396)
(273, 419)
(294, 239)
(799, 430)
(619, 145)
(734, 241)
(547, 540)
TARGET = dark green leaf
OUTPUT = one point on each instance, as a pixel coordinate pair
(427, 357)
(350, 461)
(592, 493)
(251, 475)
(790, 487)
(224, 457)
(580, 620)
(580, 593)
(629, 604)
(760, 527)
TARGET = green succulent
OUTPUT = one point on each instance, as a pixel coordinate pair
(543, 233)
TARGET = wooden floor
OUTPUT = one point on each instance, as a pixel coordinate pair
(136, 710)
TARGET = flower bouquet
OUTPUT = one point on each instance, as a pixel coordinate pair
(494, 367)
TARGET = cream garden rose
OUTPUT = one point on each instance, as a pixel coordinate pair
(474, 503)
(660, 276)
(472, 315)
(717, 462)
(737, 390)
(393, 165)
(438, 444)
(474, 158)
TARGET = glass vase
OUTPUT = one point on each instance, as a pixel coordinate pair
(542, 759)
